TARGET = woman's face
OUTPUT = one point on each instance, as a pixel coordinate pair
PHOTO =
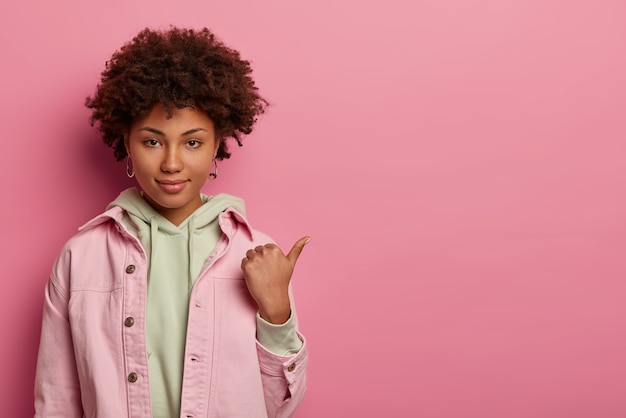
(172, 158)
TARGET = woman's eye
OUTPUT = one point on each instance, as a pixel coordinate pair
(193, 143)
(151, 142)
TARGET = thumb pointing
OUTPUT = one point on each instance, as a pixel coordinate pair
(295, 251)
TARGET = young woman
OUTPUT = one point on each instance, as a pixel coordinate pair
(169, 304)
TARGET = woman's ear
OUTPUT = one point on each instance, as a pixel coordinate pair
(126, 143)
(218, 144)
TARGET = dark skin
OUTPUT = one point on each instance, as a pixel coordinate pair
(268, 272)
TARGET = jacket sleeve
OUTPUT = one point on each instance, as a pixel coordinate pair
(284, 380)
(283, 376)
(279, 339)
(57, 389)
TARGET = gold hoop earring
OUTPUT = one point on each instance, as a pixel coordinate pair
(213, 175)
(130, 170)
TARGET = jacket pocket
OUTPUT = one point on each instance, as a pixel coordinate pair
(237, 388)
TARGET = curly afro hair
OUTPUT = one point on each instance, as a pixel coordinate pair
(181, 68)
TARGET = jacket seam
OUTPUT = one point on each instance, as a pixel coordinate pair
(57, 286)
(102, 290)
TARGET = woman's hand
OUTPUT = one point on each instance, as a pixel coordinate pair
(267, 271)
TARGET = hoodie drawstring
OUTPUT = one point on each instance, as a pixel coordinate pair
(154, 233)
(191, 228)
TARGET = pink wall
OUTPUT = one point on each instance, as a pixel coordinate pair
(460, 166)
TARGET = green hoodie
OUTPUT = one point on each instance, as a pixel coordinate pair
(176, 256)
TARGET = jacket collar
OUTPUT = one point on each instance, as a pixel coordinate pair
(115, 213)
(229, 219)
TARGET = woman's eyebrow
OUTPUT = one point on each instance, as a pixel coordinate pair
(152, 130)
(193, 131)
(157, 132)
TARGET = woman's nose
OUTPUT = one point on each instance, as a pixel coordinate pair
(172, 161)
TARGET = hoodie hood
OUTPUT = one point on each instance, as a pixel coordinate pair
(140, 211)
(151, 228)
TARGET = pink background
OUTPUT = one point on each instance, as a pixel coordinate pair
(460, 166)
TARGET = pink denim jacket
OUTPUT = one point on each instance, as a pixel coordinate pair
(92, 356)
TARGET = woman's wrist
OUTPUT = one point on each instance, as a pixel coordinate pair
(276, 316)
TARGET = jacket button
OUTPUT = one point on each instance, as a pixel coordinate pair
(132, 378)
(291, 367)
(130, 269)
(130, 321)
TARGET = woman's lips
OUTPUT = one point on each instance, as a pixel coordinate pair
(172, 186)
